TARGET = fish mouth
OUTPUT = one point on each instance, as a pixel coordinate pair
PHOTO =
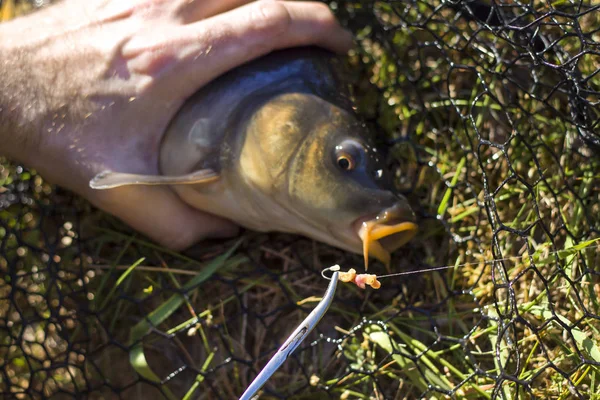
(385, 232)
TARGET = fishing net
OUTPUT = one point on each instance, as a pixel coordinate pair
(489, 110)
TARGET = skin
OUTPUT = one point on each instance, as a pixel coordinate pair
(88, 86)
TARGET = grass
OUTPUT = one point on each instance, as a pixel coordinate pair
(506, 193)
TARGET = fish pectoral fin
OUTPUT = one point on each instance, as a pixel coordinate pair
(110, 180)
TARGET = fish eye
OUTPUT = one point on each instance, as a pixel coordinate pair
(349, 154)
(345, 162)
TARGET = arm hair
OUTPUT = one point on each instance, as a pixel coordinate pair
(21, 103)
(34, 95)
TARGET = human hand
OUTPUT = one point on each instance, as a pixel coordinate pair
(91, 86)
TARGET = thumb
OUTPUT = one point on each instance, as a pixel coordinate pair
(161, 215)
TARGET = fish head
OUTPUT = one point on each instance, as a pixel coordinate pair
(331, 177)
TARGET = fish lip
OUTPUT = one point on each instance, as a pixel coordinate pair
(399, 212)
(399, 218)
(407, 235)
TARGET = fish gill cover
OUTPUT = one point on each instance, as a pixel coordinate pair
(490, 113)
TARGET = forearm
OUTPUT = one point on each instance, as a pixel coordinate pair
(21, 104)
(37, 101)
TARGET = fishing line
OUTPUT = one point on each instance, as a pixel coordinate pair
(474, 263)
(444, 267)
(421, 270)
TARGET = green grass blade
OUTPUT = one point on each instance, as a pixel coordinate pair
(120, 280)
(448, 193)
(137, 357)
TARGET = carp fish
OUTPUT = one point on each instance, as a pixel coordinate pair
(275, 145)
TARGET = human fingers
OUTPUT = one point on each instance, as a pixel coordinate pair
(263, 26)
(158, 213)
(184, 11)
(193, 10)
(192, 55)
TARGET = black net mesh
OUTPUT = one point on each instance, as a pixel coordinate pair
(490, 112)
